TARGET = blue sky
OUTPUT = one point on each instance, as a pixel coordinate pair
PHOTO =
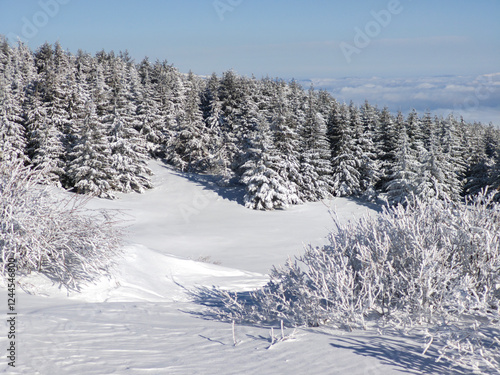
(285, 38)
(438, 55)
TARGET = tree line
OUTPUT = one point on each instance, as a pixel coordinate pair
(91, 123)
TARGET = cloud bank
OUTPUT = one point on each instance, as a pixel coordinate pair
(476, 98)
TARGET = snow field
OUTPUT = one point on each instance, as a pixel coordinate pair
(140, 320)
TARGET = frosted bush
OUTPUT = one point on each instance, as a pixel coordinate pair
(428, 264)
(58, 238)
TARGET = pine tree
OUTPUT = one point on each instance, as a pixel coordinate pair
(249, 120)
(129, 166)
(80, 93)
(13, 76)
(265, 188)
(25, 78)
(12, 133)
(450, 145)
(238, 111)
(297, 100)
(149, 117)
(217, 162)
(315, 162)
(479, 161)
(286, 141)
(162, 101)
(346, 151)
(492, 148)
(415, 133)
(403, 182)
(91, 167)
(388, 143)
(325, 102)
(429, 130)
(173, 107)
(437, 178)
(5, 56)
(50, 128)
(366, 138)
(45, 148)
(127, 147)
(188, 147)
(494, 176)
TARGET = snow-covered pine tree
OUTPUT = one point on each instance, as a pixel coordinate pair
(315, 162)
(437, 178)
(170, 88)
(160, 103)
(80, 93)
(25, 73)
(188, 148)
(479, 162)
(450, 144)
(5, 55)
(403, 181)
(367, 140)
(332, 125)
(297, 100)
(387, 140)
(128, 153)
(346, 152)
(246, 119)
(100, 94)
(12, 132)
(14, 76)
(415, 133)
(265, 188)
(218, 162)
(253, 113)
(324, 103)
(45, 147)
(494, 180)
(90, 169)
(50, 129)
(429, 130)
(286, 141)
(149, 117)
(130, 169)
(56, 79)
(238, 111)
(492, 141)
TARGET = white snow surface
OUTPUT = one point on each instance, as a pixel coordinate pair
(141, 320)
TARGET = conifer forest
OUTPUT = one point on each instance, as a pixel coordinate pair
(91, 123)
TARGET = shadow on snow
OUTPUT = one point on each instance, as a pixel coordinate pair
(401, 351)
(233, 192)
(401, 354)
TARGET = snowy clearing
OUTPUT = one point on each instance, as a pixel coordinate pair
(140, 320)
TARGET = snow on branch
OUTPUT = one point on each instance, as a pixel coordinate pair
(432, 264)
(58, 238)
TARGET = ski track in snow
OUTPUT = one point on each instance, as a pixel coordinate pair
(140, 320)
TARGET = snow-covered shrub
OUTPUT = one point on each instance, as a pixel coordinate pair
(420, 265)
(472, 344)
(56, 237)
